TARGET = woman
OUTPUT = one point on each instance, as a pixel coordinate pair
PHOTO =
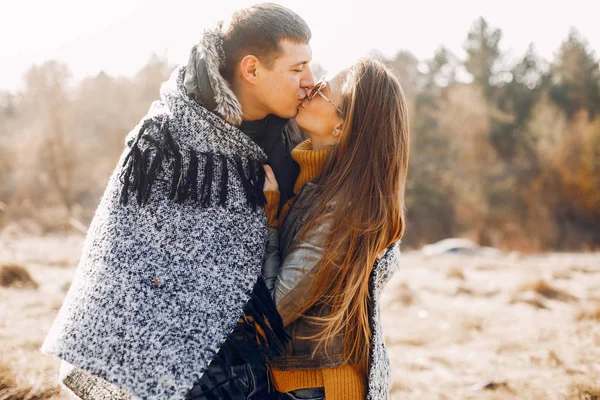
(338, 243)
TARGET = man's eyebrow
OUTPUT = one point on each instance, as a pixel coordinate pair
(300, 63)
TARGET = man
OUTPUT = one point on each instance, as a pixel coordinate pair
(174, 253)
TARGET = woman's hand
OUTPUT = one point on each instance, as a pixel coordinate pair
(270, 181)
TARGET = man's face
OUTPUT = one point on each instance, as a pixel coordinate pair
(282, 87)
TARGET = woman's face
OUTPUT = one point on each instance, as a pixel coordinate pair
(319, 113)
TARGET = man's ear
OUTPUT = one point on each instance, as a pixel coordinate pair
(249, 68)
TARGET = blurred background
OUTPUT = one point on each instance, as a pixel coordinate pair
(504, 102)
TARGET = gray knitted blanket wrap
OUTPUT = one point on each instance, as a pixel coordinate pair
(380, 375)
(171, 256)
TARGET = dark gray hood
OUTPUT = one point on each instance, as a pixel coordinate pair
(203, 81)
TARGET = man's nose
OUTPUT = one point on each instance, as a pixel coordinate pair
(307, 81)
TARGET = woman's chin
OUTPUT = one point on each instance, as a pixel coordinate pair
(301, 117)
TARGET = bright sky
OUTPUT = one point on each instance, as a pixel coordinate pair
(118, 36)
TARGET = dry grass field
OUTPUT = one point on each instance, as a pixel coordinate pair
(457, 327)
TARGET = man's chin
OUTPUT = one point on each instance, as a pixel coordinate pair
(290, 114)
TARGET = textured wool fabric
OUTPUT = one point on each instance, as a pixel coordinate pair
(340, 383)
(380, 373)
(311, 162)
(343, 383)
(78, 384)
(172, 254)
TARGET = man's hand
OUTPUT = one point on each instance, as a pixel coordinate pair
(270, 181)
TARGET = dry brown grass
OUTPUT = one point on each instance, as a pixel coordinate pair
(66, 286)
(62, 263)
(16, 276)
(531, 298)
(562, 274)
(464, 290)
(585, 390)
(475, 324)
(440, 344)
(12, 389)
(554, 360)
(405, 295)
(543, 288)
(455, 272)
(417, 341)
(584, 269)
(487, 267)
(491, 386)
(592, 314)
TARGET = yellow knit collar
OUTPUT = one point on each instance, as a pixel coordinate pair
(311, 162)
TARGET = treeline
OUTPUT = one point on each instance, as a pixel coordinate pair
(60, 141)
(507, 153)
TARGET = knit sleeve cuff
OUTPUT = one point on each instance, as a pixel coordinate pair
(271, 208)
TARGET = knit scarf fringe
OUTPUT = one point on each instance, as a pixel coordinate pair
(141, 169)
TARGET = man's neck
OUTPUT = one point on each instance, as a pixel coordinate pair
(251, 109)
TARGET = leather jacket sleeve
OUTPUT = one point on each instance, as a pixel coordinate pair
(298, 270)
(272, 260)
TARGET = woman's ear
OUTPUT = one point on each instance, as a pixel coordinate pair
(337, 131)
(249, 68)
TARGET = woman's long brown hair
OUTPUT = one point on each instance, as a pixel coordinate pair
(361, 195)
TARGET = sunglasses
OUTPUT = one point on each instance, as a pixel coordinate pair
(318, 89)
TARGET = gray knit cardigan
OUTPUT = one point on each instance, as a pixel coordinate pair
(172, 256)
(379, 380)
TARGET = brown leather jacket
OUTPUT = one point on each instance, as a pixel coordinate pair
(295, 269)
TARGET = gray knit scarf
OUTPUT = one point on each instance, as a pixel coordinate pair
(173, 255)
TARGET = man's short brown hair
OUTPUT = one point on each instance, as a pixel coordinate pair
(257, 30)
